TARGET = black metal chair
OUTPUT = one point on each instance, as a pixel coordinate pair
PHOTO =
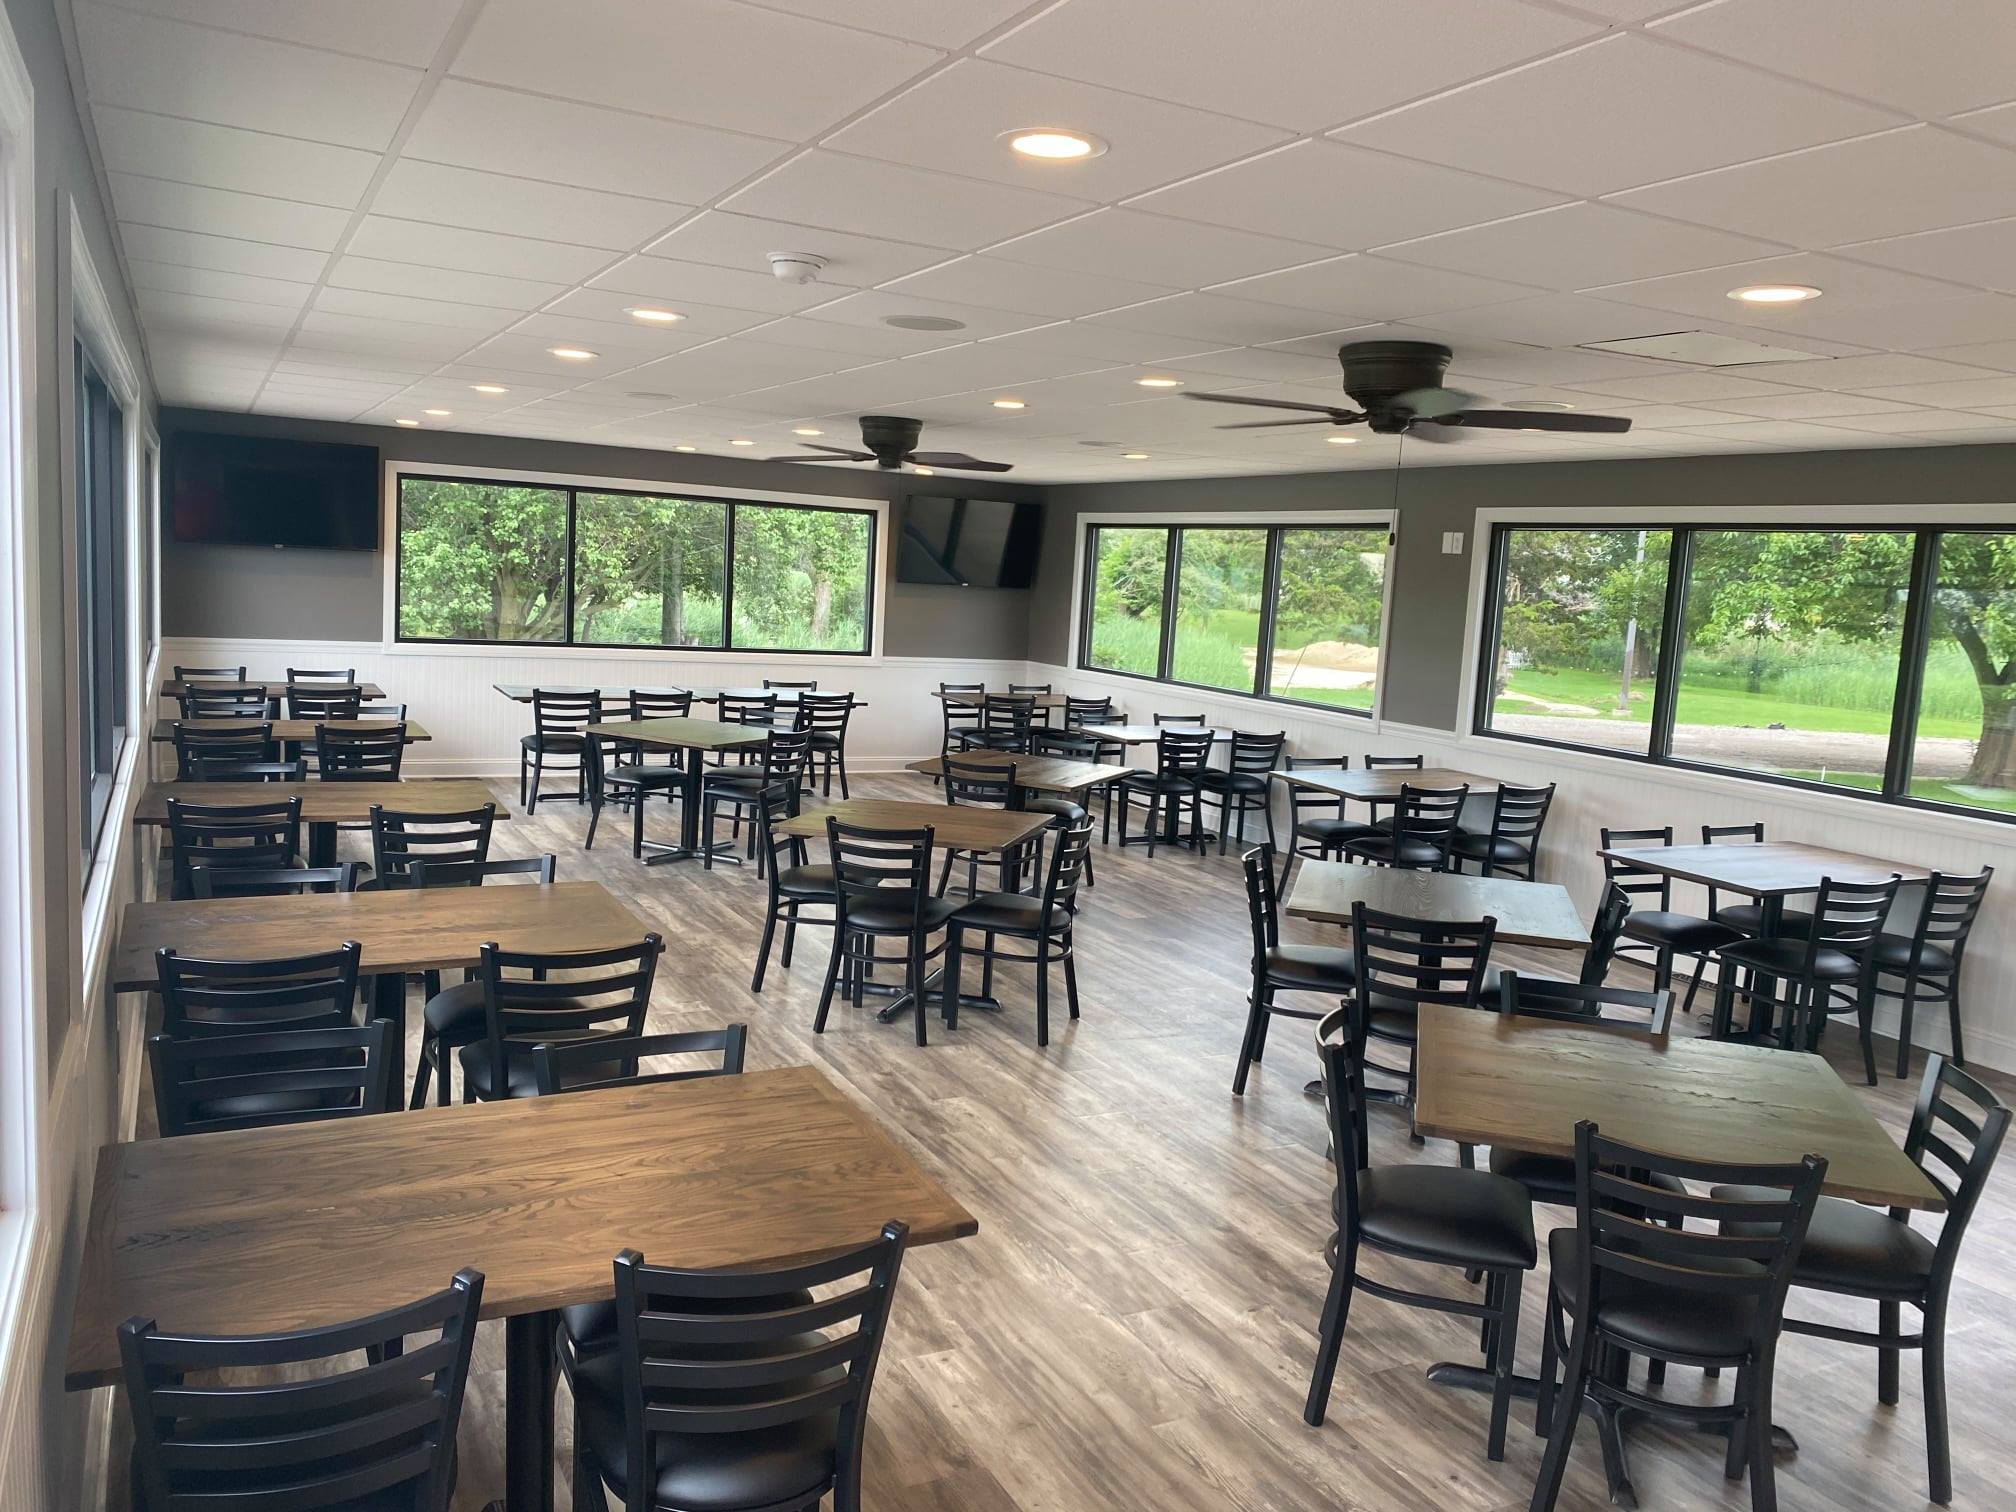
(356, 755)
(455, 1016)
(560, 720)
(1004, 724)
(781, 759)
(1659, 928)
(1604, 932)
(1326, 969)
(333, 1434)
(585, 1067)
(604, 994)
(1043, 920)
(1810, 971)
(825, 717)
(222, 674)
(321, 674)
(1242, 786)
(1031, 690)
(274, 881)
(979, 785)
(1181, 755)
(1746, 918)
(224, 836)
(1927, 961)
(959, 706)
(334, 701)
(1511, 846)
(781, 685)
(1419, 835)
(451, 846)
(882, 890)
(632, 779)
(224, 703)
(1318, 826)
(1957, 1129)
(1430, 1215)
(745, 709)
(717, 1396)
(1636, 1281)
(795, 884)
(241, 751)
(204, 999)
(257, 1081)
(1400, 964)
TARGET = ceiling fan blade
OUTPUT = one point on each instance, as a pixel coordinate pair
(839, 451)
(837, 456)
(1540, 420)
(1341, 416)
(1269, 424)
(1432, 430)
(1433, 403)
(957, 460)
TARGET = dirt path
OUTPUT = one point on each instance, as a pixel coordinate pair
(1787, 750)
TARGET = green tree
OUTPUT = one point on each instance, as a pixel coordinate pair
(482, 561)
(1975, 603)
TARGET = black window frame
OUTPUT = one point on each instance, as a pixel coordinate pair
(103, 531)
(871, 593)
(1172, 576)
(1913, 645)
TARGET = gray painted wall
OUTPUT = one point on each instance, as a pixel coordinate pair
(1423, 671)
(335, 595)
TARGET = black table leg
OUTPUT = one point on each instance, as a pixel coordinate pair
(388, 1001)
(322, 844)
(528, 1412)
(688, 848)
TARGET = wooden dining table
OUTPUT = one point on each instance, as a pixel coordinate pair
(292, 731)
(325, 804)
(1040, 774)
(308, 1225)
(522, 693)
(403, 931)
(1528, 913)
(697, 738)
(276, 687)
(1381, 784)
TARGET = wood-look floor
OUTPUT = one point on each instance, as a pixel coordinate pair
(1133, 1326)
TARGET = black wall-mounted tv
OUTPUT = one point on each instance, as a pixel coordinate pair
(261, 491)
(968, 543)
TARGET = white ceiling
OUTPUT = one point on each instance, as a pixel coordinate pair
(356, 212)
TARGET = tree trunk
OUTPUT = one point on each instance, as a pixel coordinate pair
(1994, 763)
(671, 601)
(822, 608)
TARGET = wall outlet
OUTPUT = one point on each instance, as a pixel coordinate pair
(1452, 543)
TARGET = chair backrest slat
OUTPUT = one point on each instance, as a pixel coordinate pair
(980, 783)
(1573, 1003)
(617, 1061)
(254, 1081)
(1404, 963)
(1638, 881)
(565, 711)
(359, 755)
(222, 835)
(879, 866)
(530, 998)
(450, 846)
(201, 998)
(661, 703)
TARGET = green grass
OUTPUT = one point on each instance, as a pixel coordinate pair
(1960, 794)
(1713, 702)
(1210, 650)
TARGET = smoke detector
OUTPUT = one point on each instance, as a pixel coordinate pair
(796, 267)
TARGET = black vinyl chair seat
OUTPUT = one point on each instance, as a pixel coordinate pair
(1380, 846)
(1637, 1312)
(1447, 1215)
(1784, 956)
(588, 1329)
(1893, 952)
(1067, 809)
(1333, 832)
(1688, 934)
(722, 1472)
(1158, 782)
(1748, 918)
(1019, 912)
(1232, 782)
(1551, 1178)
(519, 1080)
(654, 777)
(895, 915)
(551, 741)
(810, 882)
(1851, 1248)
(454, 1011)
(1474, 845)
(1318, 968)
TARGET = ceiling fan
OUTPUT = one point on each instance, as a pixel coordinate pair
(1398, 388)
(891, 441)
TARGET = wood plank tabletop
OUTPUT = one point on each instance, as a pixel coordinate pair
(1045, 774)
(1148, 734)
(276, 686)
(522, 692)
(286, 1228)
(1523, 1083)
(290, 729)
(328, 802)
(1528, 913)
(682, 734)
(402, 930)
(959, 825)
(975, 700)
(1383, 784)
(1774, 868)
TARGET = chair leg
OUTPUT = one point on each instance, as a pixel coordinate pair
(1070, 974)
(522, 759)
(1738, 1452)
(1938, 1449)
(1904, 1011)
(422, 1074)
(1330, 1334)
(1249, 1043)
(636, 827)
(1865, 1012)
(1889, 1316)
(1763, 1468)
(763, 949)
(538, 776)
(586, 1490)
(913, 979)
(1042, 991)
(1507, 1341)
(955, 951)
(1550, 1361)
(594, 818)
(1953, 1019)
(1567, 1412)
(790, 937)
(832, 978)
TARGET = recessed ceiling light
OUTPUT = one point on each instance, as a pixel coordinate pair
(806, 430)
(654, 316)
(1009, 404)
(1053, 144)
(686, 448)
(1545, 404)
(924, 322)
(1342, 440)
(489, 388)
(741, 441)
(1774, 293)
(1160, 382)
(1134, 456)
(403, 420)
(572, 354)
(438, 414)
(923, 472)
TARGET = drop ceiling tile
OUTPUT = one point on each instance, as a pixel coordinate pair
(746, 69)
(1556, 122)
(746, 242)
(1920, 322)
(907, 204)
(1677, 388)
(1931, 58)
(1883, 370)
(614, 306)
(1914, 422)
(190, 249)
(955, 121)
(1100, 343)
(370, 334)
(168, 278)
(1646, 418)
(1810, 406)
(1123, 243)
(867, 342)
(307, 356)
(516, 352)
(1846, 285)
(145, 63)
(391, 376)
(455, 284)
(732, 368)
(522, 386)
(407, 241)
(871, 307)
(627, 342)
(1341, 196)
(1482, 364)
(1967, 394)
(228, 157)
(1366, 289)
(502, 131)
(188, 207)
(2000, 411)
(1821, 197)
(1976, 355)
(1772, 432)
(1261, 365)
(168, 310)
(1579, 246)
(1350, 56)
(941, 23)
(1027, 288)
(1557, 320)
(397, 31)
(1983, 255)
(1220, 320)
(446, 196)
(481, 319)
(664, 280)
(1998, 121)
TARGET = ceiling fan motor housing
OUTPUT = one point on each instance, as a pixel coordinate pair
(1376, 373)
(891, 437)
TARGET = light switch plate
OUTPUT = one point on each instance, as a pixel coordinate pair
(1452, 543)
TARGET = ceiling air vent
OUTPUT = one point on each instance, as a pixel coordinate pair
(1703, 349)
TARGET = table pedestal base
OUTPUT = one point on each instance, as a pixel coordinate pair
(528, 1412)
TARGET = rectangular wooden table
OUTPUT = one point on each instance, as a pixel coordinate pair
(958, 825)
(1382, 784)
(1528, 913)
(324, 805)
(1042, 774)
(275, 686)
(300, 731)
(522, 693)
(402, 930)
(696, 737)
(977, 700)
(298, 1227)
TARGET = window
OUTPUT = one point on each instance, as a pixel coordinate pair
(1876, 660)
(102, 614)
(1272, 611)
(514, 563)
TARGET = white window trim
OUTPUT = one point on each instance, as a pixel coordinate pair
(1388, 519)
(1837, 805)
(391, 645)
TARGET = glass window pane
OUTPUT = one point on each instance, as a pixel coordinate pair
(1128, 569)
(801, 578)
(1221, 575)
(1792, 645)
(1326, 617)
(648, 571)
(1579, 618)
(481, 561)
(1965, 751)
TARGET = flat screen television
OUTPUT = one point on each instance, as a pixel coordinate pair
(968, 543)
(261, 491)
